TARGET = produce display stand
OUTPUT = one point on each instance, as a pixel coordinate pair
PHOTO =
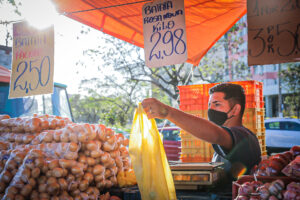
(46, 156)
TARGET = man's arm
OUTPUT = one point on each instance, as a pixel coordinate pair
(199, 127)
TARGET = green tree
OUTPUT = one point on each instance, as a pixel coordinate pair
(100, 109)
(216, 66)
(291, 82)
(15, 4)
(84, 110)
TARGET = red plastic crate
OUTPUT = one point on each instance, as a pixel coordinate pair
(261, 137)
(194, 104)
(254, 104)
(192, 107)
(194, 91)
(254, 98)
(199, 94)
(251, 87)
(199, 113)
(199, 100)
(194, 149)
(257, 132)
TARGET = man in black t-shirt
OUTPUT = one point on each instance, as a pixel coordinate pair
(234, 144)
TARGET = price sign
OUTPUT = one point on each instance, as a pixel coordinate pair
(164, 33)
(273, 31)
(33, 59)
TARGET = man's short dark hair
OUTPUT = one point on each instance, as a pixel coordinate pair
(233, 93)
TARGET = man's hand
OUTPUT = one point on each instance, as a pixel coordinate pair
(155, 108)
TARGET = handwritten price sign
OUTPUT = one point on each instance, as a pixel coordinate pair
(164, 33)
(273, 31)
(33, 59)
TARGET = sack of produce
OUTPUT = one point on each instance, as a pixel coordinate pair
(293, 169)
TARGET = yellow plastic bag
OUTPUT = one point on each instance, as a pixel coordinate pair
(149, 159)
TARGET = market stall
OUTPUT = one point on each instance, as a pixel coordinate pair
(46, 156)
(206, 22)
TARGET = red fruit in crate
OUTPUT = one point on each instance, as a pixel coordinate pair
(274, 168)
(256, 184)
(263, 164)
(263, 191)
(280, 158)
(293, 186)
(246, 189)
(254, 196)
(289, 195)
(276, 187)
(288, 155)
(293, 169)
(240, 197)
(295, 150)
(272, 172)
(279, 184)
(273, 198)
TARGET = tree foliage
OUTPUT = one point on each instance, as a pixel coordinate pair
(291, 82)
(218, 66)
(100, 109)
(15, 4)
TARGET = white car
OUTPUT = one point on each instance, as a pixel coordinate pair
(282, 134)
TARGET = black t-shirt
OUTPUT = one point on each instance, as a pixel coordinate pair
(245, 152)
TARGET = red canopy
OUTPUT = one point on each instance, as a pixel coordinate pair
(206, 20)
(4, 74)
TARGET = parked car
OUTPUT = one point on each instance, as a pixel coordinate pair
(282, 134)
(171, 142)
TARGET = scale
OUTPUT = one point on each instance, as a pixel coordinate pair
(196, 175)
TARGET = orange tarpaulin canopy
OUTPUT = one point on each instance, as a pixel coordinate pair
(206, 20)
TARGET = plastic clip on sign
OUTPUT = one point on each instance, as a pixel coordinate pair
(149, 159)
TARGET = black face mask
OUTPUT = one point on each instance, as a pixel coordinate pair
(218, 117)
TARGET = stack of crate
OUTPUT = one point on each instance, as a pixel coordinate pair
(194, 100)
(254, 114)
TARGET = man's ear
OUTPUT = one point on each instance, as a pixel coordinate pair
(237, 109)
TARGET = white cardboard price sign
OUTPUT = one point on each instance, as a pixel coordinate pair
(164, 33)
(33, 61)
(273, 31)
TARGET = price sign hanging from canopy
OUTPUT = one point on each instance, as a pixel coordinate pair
(273, 31)
(164, 33)
(33, 61)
